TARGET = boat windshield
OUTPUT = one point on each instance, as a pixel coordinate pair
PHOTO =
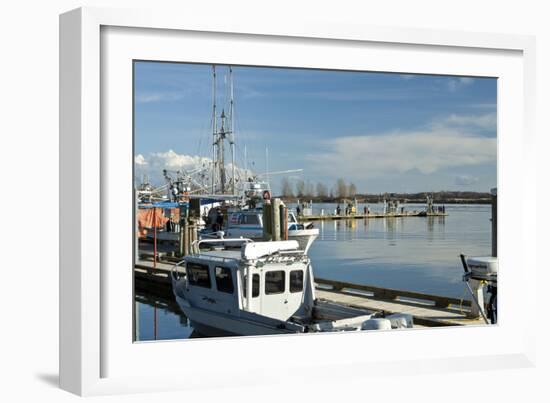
(249, 219)
(291, 218)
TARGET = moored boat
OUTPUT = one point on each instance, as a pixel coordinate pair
(242, 287)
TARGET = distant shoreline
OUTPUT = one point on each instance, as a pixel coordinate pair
(404, 198)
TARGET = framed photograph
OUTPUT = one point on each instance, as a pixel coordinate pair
(242, 205)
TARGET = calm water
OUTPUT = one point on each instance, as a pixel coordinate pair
(413, 253)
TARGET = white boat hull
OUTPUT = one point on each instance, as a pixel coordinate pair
(210, 323)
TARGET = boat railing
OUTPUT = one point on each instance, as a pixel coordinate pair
(285, 256)
(174, 273)
(238, 241)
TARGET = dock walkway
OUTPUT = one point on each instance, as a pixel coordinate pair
(426, 309)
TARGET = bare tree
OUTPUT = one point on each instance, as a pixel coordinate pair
(322, 190)
(341, 188)
(286, 189)
(300, 188)
(352, 190)
(309, 189)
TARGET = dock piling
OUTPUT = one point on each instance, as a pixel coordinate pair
(276, 219)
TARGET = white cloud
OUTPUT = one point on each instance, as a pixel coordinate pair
(457, 83)
(428, 151)
(149, 97)
(140, 160)
(466, 80)
(407, 76)
(487, 121)
(486, 105)
(465, 180)
(198, 167)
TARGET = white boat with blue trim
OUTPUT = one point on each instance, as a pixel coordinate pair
(238, 287)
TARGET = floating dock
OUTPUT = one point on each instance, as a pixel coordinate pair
(427, 310)
(369, 216)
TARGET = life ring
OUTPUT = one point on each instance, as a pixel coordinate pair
(266, 195)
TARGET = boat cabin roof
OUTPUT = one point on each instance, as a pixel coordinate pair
(248, 251)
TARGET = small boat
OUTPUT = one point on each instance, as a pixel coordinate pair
(249, 224)
(238, 287)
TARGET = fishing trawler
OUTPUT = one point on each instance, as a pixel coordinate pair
(240, 287)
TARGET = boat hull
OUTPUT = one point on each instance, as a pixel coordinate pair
(305, 237)
(227, 325)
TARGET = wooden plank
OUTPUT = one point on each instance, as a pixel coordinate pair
(427, 315)
(393, 294)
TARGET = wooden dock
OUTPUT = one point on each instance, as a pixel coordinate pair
(369, 216)
(426, 309)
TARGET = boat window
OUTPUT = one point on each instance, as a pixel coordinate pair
(274, 282)
(296, 281)
(198, 275)
(224, 281)
(250, 219)
(255, 285)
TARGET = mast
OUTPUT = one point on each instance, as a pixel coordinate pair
(214, 128)
(221, 152)
(245, 164)
(232, 128)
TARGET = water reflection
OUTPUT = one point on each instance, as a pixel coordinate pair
(411, 253)
(160, 318)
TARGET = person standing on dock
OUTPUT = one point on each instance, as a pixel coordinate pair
(298, 210)
(338, 210)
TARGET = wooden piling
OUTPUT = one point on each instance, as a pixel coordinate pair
(284, 221)
(276, 219)
(267, 221)
(494, 222)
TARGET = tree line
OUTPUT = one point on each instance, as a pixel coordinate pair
(308, 189)
(341, 190)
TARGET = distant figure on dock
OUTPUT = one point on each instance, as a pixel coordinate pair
(218, 224)
(338, 210)
(443, 209)
(365, 210)
(298, 210)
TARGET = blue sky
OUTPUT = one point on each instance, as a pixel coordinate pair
(383, 132)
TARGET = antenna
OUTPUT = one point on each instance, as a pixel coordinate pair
(266, 165)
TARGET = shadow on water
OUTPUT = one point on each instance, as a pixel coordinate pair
(160, 318)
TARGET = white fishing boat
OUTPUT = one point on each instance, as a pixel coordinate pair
(241, 287)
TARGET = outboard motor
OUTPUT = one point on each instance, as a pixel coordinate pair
(478, 273)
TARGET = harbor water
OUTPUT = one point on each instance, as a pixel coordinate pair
(410, 253)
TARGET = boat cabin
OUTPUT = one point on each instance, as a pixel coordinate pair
(271, 279)
(249, 223)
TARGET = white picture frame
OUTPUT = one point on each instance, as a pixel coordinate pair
(97, 357)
